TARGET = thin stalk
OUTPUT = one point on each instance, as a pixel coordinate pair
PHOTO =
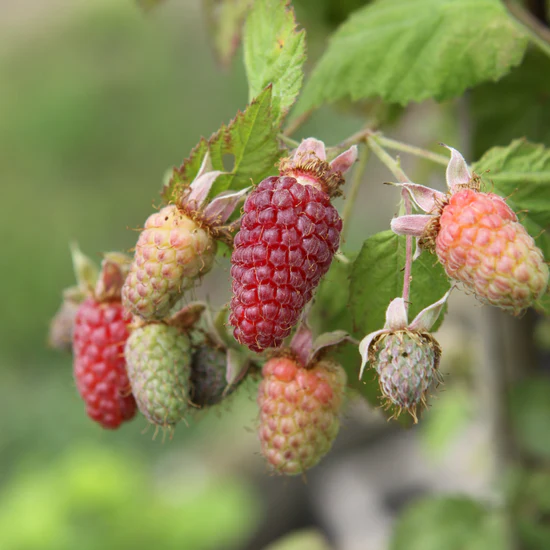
(391, 164)
(288, 141)
(364, 134)
(351, 197)
(296, 123)
(395, 169)
(538, 33)
(411, 149)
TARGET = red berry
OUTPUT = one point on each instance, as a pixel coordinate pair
(289, 234)
(100, 332)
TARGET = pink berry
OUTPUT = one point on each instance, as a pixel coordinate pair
(481, 243)
(299, 412)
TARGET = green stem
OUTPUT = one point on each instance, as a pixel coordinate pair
(288, 141)
(411, 149)
(354, 189)
(391, 164)
(395, 169)
(363, 135)
(538, 33)
(295, 123)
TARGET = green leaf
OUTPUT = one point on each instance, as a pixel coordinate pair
(331, 312)
(521, 174)
(411, 50)
(377, 278)
(452, 523)
(274, 53)
(530, 411)
(225, 23)
(250, 139)
(516, 106)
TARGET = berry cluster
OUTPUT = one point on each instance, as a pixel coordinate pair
(134, 349)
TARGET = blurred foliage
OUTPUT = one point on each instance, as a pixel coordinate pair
(92, 491)
(531, 505)
(522, 109)
(530, 411)
(450, 411)
(452, 523)
(307, 539)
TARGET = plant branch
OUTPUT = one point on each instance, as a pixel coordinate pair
(295, 123)
(538, 33)
(411, 149)
(288, 141)
(395, 169)
(391, 164)
(364, 134)
(354, 189)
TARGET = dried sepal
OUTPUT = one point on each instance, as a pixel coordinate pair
(309, 166)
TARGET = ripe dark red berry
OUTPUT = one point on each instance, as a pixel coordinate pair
(289, 234)
(100, 332)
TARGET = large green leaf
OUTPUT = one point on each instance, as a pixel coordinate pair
(274, 53)
(225, 22)
(516, 106)
(450, 523)
(411, 50)
(377, 278)
(250, 140)
(521, 174)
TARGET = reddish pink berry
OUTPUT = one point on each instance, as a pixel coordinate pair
(100, 332)
(481, 244)
(299, 411)
(289, 234)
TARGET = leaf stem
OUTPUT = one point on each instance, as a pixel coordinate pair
(351, 197)
(393, 166)
(538, 33)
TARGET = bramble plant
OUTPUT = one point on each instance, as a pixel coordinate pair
(486, 234)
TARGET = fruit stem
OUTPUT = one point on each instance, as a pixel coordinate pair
(363, 135)
(393, 166)
(288, 141)
(295, 123)
(413, 150)
(358, 174)
(538, 33)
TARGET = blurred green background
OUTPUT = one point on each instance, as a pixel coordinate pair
(97, 102)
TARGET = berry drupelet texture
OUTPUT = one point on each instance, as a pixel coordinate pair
(100, 333)
(481, 244)
(299, 412)
(289, 235)
(172, 251)
(406, 363)
(159, 367)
